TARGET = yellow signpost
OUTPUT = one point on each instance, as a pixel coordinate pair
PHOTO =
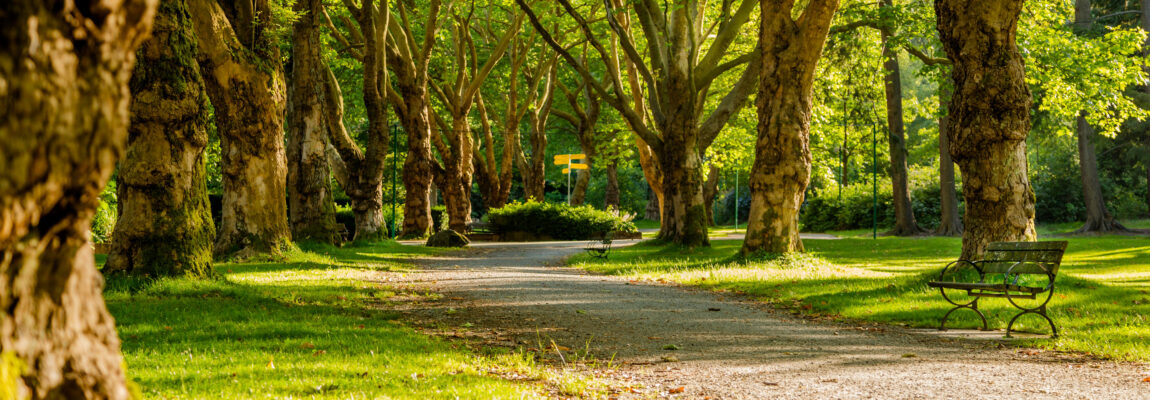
(568, 160)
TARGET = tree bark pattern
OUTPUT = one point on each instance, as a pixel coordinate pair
(989, 120)
(64, 74)
(1098, 218)
(311, 204)
(790, 51)
(165, 225)
(611, 193)
(241, 67)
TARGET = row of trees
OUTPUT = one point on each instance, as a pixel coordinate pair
(673, 74)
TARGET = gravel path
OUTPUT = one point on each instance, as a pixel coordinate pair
(515, 294)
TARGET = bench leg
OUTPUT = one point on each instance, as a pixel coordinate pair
(1039, 311)
(972, 306)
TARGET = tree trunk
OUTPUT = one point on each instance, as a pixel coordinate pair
(710, 190)
(684, 219)
(652, 213)
(418, 167)
(457, 175)
(64, 73)
(311, 205)
(950, 223)
(165, 226)
(989, 120)
(782, 167)
(904, 221)
(248, 96)
(611, 194)
(582, 181)
(533, 169)
(1098, 218)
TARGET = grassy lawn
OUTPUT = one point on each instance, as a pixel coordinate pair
(315, 325)
(1101, 303)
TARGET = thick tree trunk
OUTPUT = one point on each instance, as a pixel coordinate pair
(989, 120)
(248, 96)
(418, 167)
(64, 72)
(360, 178)
(904, 221)
(710, 190)
(1098, 218)
(457, 175)
(950, 223)
(611, 193)
(532, 169)
(311, 205)
(782, 168)
(684, 219)
(165, 224)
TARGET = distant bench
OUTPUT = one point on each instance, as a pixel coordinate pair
(1012, 261)
(600, 248)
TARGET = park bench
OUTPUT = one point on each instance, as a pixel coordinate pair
(600, 248)
(1018, 264)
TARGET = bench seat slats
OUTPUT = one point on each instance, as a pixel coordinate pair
(990, 287)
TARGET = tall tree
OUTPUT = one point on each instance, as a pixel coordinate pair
(165, 224)
(679, 70)
(360, 171)
(240, 61)
(409, 62)
(583, 119)
(1098, 218)
(790, 49)
(454, 141)
(904, 221)
(64, 72)
(949, 223)
(311, 204)
(989, 119)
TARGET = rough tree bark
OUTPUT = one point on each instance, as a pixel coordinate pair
(311, 204)
(989, 120)
(790, 51)
(410, 101)
(904, 221)
(493, 175)
(532, 167)
(950, 223)
(362, 175)
(240, 63)
(1098, 218)
(165, 224)
(64, 72)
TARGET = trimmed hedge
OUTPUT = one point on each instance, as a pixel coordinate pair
(557, 220)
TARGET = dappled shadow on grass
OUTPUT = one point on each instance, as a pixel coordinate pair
(279, 330)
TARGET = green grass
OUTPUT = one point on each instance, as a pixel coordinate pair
(1101, 303)
(316, 325)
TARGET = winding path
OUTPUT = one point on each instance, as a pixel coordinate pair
(516, 294)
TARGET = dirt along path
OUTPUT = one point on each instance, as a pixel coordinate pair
(667, 338)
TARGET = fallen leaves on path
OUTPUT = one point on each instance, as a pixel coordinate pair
(679, 389)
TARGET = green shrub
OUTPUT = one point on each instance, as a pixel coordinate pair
(559, 221)
(344, 215)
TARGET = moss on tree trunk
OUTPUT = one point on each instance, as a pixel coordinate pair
(165, 226)
(64, 73)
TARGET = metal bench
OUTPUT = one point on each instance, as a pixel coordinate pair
(1012, 261)
(600, 248)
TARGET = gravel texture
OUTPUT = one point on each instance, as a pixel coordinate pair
(717, 346)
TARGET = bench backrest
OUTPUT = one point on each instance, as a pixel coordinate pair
(1033, 256)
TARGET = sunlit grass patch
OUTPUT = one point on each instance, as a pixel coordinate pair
(1101, 302)
(311, 325)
